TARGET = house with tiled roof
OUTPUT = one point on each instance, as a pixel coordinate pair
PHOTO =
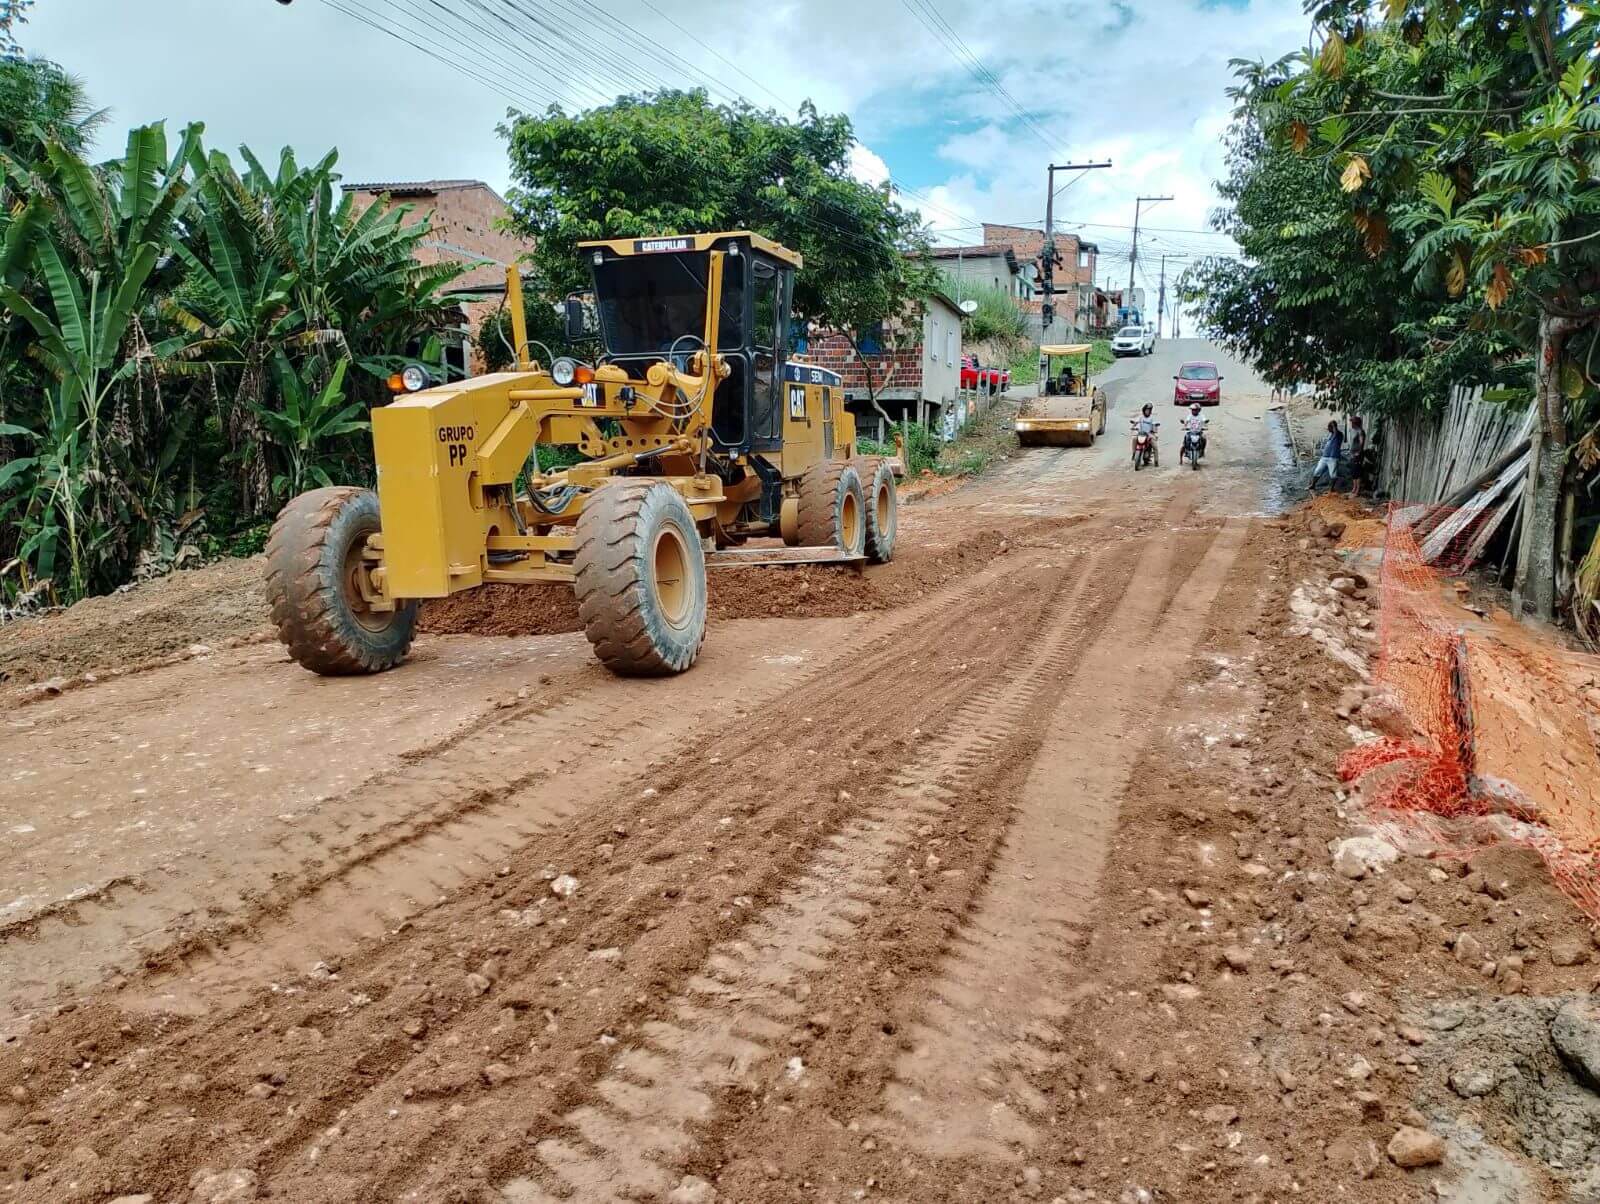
(985, 265)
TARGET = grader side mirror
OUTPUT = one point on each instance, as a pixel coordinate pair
(576, 319)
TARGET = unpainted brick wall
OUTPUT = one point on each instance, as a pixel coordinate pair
(900, 368)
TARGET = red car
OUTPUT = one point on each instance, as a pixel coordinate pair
(1197, 381)
(975, 376)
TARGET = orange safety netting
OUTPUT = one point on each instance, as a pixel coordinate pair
(1501, 718)
(1421, 662)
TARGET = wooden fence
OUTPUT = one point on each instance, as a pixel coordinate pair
(1428, 459)
(1458, 476)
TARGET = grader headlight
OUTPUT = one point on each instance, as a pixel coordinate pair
(564, 371)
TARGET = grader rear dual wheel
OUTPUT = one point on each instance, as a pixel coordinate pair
(833, 507)
(883, 509)
(851, 505)
(317, 588)
(641, 578)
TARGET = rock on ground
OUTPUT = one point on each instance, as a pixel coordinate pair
(1411, 1147)
(1576, 1034)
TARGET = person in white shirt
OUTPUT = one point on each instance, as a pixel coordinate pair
(1195, 424)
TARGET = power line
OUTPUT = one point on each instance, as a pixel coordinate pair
(929, 17)
(408, 34)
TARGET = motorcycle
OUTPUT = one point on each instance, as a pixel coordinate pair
(1144, 448)
(1192, 450)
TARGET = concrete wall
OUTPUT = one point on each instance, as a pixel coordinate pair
(981, 271)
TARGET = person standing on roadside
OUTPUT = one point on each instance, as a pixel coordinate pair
(1358, 454)
(1328, 457)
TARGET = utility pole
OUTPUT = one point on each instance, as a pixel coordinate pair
(1133, 257)
(1047, 313)
(1161, 302)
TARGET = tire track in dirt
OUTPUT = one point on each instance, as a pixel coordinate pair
(374, 1096)
(729, 1021)
(963, 1089)
(374, 855)
(403, 1108)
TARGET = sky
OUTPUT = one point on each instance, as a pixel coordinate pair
(961, 103)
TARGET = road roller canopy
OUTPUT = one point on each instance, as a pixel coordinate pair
(1066, 349)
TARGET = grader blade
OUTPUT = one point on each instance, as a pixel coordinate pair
(728, 558)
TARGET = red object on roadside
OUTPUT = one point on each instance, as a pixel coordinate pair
(974, 376)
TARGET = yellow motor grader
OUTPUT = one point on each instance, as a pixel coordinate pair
(698, 431)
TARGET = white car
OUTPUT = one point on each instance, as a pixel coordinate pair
(1132, 340)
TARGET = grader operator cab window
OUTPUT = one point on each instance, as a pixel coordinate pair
(648, 304)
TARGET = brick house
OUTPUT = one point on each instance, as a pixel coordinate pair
(466, 217)
(1074, 276)
(914, 370)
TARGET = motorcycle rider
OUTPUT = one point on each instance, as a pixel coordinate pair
(1195, 424)
(1148, 424)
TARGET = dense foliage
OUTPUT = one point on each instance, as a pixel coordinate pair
(672, 161)
(996, 317)
(177, 339)
(1435, 166)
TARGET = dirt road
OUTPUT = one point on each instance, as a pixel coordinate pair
(819, 920)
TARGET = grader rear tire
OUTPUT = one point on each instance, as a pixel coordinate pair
(833, 508)
(641, 579)
(882, 509)
(314, 567)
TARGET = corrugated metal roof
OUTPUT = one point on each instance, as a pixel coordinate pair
(993, 248)
(415, 187)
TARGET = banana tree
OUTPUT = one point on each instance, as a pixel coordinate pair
(93, 248)
(309, 417)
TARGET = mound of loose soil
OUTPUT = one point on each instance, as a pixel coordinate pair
(801, 591)
(219, 603)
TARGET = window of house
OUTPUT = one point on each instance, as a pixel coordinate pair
(950, 347)
(933, 339)
(1083, 257)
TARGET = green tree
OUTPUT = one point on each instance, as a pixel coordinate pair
(80, 495)
(40, 104)
(1313, 297)
(671, 162)
(1470, 128)
(276, 267)
(310, 414)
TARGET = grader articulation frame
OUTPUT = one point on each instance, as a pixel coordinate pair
(699, 431)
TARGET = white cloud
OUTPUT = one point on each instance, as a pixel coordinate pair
(867, 166)
(1139, 83)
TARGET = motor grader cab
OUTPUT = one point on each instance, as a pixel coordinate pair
(1069, 411)
(697, 431)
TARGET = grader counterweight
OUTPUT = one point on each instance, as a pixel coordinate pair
(698, 431)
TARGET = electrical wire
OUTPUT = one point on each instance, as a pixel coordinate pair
(929, 17)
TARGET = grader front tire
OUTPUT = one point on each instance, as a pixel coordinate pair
(641, 579)
(315, 569)
(832, 510)
(882, 509)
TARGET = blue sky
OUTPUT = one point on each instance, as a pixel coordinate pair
(932, 85)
